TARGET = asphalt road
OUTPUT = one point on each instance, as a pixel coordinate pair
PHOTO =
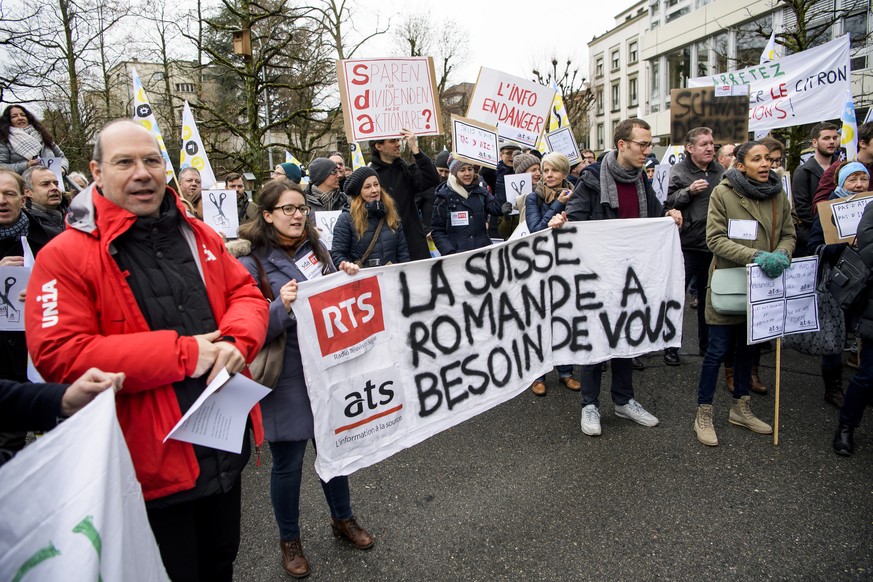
(519, 493)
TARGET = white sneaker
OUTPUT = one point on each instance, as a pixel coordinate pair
(591, 420)
(635, 412)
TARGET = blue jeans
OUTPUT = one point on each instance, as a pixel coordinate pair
(622, 382)
(285, 489)
(721, 338)
(563, 372)
(859, 388)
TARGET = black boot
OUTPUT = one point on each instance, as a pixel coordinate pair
(844, 440)
(833, 385)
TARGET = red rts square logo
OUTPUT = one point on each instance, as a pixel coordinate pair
(347, 315)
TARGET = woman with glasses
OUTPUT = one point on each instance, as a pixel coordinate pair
(287, 171)
(368, 232)
(285, 250)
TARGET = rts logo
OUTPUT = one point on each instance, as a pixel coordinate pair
(347, 315)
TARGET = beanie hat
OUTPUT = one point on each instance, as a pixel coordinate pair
(650, 163)
(455, 165)
(355, 181)
(320, 169)
(848, 170)
(292, 172)
(442, 159)
(521, 162)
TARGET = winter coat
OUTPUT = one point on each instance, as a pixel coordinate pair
(537, 212)
(865, 248)
(804, 184)
(693, 208)
(390, 247)
(408, 185)
(314, 202)
(13, 161)
(286, 409)
(473, 211)
(82, 313)
(585, 202)
(727, 203)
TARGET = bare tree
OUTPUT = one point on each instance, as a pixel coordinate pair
(576, 95)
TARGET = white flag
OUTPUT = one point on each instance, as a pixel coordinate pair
(143, 114)
(357, 156)
(769, 53)
(849, 131)
(193, 154)
(71, 507)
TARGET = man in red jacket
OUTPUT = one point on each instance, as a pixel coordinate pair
(136, 286)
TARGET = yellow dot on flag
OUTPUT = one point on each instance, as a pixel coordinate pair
(186, 133)
(146, 124)
(141, 95)
(183, 157)
(848, 135)
(198, 162)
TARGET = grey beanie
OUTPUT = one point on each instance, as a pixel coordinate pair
(442, 159)
(319, 170)
(521, 162)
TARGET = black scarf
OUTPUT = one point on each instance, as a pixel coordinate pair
(753, 189)
(17, 230)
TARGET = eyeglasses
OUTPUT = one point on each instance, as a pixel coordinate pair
(589, 158)
(290, 209)
(776, 161)
(152, 162)
(645, 145)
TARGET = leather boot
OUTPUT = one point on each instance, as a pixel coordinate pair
(729, 379)
(757, 386)
(833, 385)
(351, 531)
(293, 559)
(844, 440)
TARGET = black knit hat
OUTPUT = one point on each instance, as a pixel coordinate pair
(442, 159)
(319, 170)
(356, 180)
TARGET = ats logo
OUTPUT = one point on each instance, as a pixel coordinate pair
(347, 315)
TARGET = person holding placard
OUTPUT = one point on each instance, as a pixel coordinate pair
(23, 140)
(617, 189)
(749, 221)
(460, 211)
(285, 250)
(368, 232)
(520, 163)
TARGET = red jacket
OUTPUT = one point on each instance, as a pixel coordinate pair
(81, 313)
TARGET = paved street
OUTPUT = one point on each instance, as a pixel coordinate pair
(519, 493)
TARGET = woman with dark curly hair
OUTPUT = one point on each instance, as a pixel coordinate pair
(23, 139)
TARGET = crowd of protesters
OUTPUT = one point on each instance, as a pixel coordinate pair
(163, 303)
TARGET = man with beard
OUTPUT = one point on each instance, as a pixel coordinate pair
(825, 140)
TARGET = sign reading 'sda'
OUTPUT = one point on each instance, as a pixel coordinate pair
(348, 319)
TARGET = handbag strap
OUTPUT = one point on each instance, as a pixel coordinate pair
(773, 234)
(263, 282)
(360, 262)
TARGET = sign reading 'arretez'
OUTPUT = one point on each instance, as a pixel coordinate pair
(727, 116)
(380, 97)
(474, 142)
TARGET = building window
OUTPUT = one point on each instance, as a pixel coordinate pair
(720, 47)
(632, 52)
(601, 137)
(679, 67)
(615, 60)
(856, 26)
(185, 88)
(655, 84)
(599, 100)
(598, 67)
(750, 43)
(702, 59)
(632, 97)
(615, 100)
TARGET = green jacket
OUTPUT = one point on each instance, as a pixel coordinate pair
(727, 203)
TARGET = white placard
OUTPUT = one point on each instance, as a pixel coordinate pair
(801, 314)
(325, 221)
(55, 165)
(217, 419)
(219, 211)
(783, 305)
(13, 280)
(561, 140)
(762, 287)
(800, 277)
(742, 229)
(518, 108)
(517, 185)
(848, 214)
(766, 321)
(474, 142)
(661, 181)
(786, 186)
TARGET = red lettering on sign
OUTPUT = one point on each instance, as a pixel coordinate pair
(347, 315)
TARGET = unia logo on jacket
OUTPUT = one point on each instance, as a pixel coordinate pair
(347, 315)
(49, 301)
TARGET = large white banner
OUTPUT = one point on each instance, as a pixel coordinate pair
(71, 507)
(397, 354)
(805, 87)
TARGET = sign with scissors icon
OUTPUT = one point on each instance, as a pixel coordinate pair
(219, 211)
(13, 280)
(517, 185)
(324, 222)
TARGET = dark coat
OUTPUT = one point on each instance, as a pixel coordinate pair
(286, 410)
(585, 202)
(408, 184)
(314, 202)
(804, 183)
(693, 208)
(390, 247)
(473, 235)
(865, 247)
(537, 213)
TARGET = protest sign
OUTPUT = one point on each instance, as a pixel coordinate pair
(786, 185)
(840, 217)
(727, 116)
(517, 107)
(561, 140)
(381, 97)
(55, 165)
(674, 154)
(782, 305)
(71, 507)
(219, 211)
(325, 220)
(517, 187)
(805, 87)
(474, 142)
(396, 354)
(11, 308)
(661, 181)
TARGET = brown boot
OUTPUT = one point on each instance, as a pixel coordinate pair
(354, 533)
(538, 388)
(729, 379)
(757, 386)
(293, 559)
(571, 383)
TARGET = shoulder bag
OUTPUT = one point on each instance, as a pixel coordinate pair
(848, 278)
(267, 365)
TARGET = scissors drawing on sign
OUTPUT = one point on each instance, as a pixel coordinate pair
(221, 219)
(7, 308)
(518, 187)
(329, 223)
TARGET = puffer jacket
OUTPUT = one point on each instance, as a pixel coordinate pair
(537, 212)
(469, 215)
(727, 203)
(390, 247)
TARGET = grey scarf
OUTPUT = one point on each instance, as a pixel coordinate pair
(330, 200)
(19, 229)
(610, 173)
(753, 189)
